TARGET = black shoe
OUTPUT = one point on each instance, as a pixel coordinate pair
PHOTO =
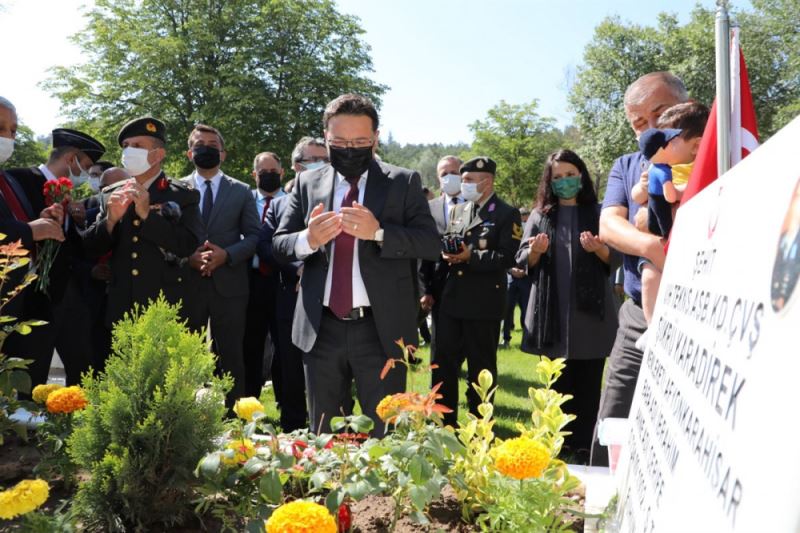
(505, 344)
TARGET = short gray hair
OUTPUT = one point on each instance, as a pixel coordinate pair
(450, 158)
(640, 89)
(297, 153)
(4, 102)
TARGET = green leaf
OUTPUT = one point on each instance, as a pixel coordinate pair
(270, 487)
(255, 526)
(21, 381)
(338, 423)
(209, 465)
(318, 479)
(334, 500)
(253, 466)
(362, 424)
(358, 490)
(418, 497)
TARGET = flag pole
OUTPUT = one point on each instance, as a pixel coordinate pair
(722, 33)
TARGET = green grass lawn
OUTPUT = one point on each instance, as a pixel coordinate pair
(512, 405)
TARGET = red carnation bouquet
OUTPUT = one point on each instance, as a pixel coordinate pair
(58, 191)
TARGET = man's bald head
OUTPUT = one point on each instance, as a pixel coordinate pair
(112, 176)
(649, 96)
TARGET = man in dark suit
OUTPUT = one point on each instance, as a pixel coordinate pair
(18, 220)
(63, 303)
(432, 274)
(474, 293)
(148, 222)
(261, 328)
(293, 390)
(358, 226)
(219, 285)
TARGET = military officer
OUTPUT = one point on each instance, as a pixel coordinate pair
(474, 294)
(148, 222)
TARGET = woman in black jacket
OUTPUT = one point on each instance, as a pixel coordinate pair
(571, 311)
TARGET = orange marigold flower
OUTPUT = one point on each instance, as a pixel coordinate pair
(301, 517)
(391, 406)
(521, 458)
(66, 400)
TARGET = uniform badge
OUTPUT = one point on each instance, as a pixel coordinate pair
(491, 207)
(482, 243)
(516, 232)
(150, 127)
(479, 163)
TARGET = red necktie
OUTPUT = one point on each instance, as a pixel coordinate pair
(11, 200)
(341, 297)
(263, 268)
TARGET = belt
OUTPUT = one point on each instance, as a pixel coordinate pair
(356, 313)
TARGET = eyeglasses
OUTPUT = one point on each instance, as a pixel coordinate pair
(315, 159)
(352, 143)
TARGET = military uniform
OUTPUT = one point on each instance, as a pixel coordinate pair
(474, 294)
(146, 253)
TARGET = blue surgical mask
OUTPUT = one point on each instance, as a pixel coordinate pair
(314, 166)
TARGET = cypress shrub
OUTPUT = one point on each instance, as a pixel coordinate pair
(147, 426)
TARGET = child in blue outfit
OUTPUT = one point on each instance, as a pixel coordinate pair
(655, 145)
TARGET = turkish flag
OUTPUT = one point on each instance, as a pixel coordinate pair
(744, 130)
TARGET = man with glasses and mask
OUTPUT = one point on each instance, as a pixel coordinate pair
(359, 226)
(310, 153)
(149, 222)
(219, 284)
(261, 325)
(474, 292)
(63, 305)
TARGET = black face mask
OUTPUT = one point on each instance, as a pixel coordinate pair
(205, 157)
(268, 181)
(350, 162)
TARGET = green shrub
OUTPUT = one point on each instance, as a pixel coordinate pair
(147, 424)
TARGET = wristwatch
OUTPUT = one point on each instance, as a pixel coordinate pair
(378, 235)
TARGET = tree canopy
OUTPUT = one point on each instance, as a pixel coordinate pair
(620, 52)
(261, 71)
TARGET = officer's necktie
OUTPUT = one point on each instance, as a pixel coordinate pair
(208, 202)
(341, 296)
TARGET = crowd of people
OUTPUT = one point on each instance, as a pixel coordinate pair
(326, 272)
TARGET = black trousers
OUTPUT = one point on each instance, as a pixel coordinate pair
(347, 351)
(294, 413)
(458, 339)
(581, 379)
(622, 373)
(518, 292)
(227, 318)
(68, 332)
(259, 322)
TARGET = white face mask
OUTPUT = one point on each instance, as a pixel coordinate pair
(135, 160)
(470, 192)
(81, 178)
(451, 184)
(6, 149)
(94, 183)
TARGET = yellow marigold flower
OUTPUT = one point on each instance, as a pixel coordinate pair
(23, 498)
(391, 406)
(243, 449)
(521, 458)
(41, 392)
(245, 408)
(301, 517)
(66, 400)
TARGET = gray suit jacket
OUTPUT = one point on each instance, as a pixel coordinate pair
(394, 195)
(234, 226)
(437, 211)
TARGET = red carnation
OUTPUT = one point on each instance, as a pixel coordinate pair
(162, 184)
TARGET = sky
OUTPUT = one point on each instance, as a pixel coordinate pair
(446, 62)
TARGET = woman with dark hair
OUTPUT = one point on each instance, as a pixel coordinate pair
(571, 310)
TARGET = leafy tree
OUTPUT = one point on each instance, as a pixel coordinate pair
(519, 140)
(28, 150)
(620, 52)
(420, 157)
(259, 70)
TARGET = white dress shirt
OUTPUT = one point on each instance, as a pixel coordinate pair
(302, 249)
(47, 174)
(200, 185)
(448, 206)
